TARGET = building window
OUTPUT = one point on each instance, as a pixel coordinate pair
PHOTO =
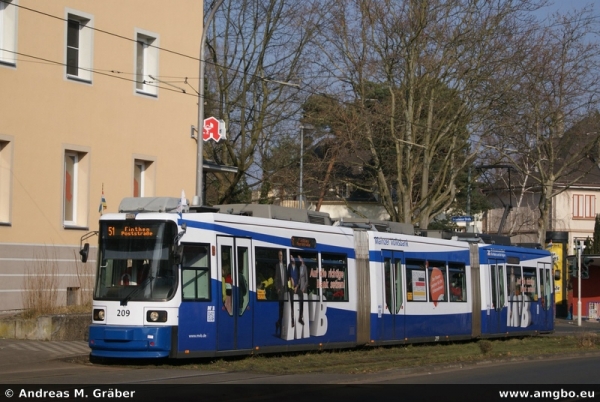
(143, 178)
(8, 31)
(584, 206)
(5, 178)
(75, 188)
(146, 63)
(79, 46)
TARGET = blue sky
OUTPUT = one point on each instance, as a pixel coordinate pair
(572, 5)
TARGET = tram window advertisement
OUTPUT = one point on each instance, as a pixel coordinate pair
(521, 291)
(328, 280)
(437, 281)
(333, 278)
(271, 265)
(416, 288)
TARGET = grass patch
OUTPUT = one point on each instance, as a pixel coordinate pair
(370, 360)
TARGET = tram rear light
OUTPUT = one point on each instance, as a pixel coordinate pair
(156, 316)
(99, 314)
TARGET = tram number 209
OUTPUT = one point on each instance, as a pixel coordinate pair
(123, 313)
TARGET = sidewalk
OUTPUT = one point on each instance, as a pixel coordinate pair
(562, 326)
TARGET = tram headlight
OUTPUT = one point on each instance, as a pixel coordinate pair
(99, 314)
(156, 316)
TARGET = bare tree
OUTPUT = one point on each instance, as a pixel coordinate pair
(548, 129)
(440, 63)
(257, 55)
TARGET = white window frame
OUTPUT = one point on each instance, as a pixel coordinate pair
(147, 168)
(85, 45)
(8, 32)
(6, 166)
(141, 166)
(80, 188)
(590, 206)
(74, 189)
(584, 206)
(145, 62)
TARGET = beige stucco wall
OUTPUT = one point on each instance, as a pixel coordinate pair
(43, 113)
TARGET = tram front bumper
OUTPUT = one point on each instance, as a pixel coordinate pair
(130, 342)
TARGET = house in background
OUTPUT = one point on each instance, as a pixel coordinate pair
(573, 211)
(571, 221)
(97, 98)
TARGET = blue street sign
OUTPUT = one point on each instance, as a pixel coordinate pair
(462, 219)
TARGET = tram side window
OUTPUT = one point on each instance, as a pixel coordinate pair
(267, 263)
(458, 282)
(416, 289)
(333, 278)
(196, 272)
(546, 290)
(530, 284)
(437, 281)
(514, 281)
(312, 266)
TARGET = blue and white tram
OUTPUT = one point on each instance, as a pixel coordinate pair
(259, 278)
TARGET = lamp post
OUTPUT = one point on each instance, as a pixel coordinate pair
(199, 197)
(579, 252)
(301, 196)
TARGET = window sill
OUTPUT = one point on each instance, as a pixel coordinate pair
(75, 227)
(144, 93)
(78, 79)
(5, 63)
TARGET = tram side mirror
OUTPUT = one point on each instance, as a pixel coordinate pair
(557, 274)
(177, 253)
(84, 252)
(177, 250)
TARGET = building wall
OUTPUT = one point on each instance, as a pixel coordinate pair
(523, 217)
(44, 113)
(579, 228)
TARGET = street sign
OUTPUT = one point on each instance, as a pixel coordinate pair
(462, 219)
(213, 129)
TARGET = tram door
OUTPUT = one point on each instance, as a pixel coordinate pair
(234, 327)
(496, 308)
(546, 294)
(392, 320)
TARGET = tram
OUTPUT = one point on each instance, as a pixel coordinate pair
(178, 282)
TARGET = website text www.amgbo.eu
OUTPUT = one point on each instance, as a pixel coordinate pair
(554, 395)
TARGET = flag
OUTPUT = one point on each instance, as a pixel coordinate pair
(102, 205)
(182, 206)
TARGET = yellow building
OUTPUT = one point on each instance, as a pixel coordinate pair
(94, 96)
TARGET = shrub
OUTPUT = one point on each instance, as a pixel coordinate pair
(485, 346)
(40, 295)
(587, 339)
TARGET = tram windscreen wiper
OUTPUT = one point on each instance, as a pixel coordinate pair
(137, 289)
